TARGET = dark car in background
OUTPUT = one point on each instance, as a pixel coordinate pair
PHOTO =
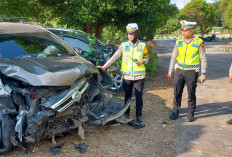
(80, 43)
(46, 88)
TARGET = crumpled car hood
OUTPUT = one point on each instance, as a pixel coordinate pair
(50, 71)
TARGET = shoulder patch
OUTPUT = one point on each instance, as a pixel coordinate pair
(127, 48)
(202, 46)
(180, 44)
(177, 41)
(143, 41)
(139, 48)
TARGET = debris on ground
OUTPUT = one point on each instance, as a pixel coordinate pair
(164, 124)
(57, 148)
(35, 150)
(135, 124)
(53, 139)
(113, 123)
(81, 132)
(82, 147)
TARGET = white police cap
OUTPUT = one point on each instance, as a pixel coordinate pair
(186, 24)
(132, 27)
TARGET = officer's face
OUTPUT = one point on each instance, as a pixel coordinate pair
(131, 36)
(187, 32)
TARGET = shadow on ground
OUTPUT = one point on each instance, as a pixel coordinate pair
(190, 133)
(210, 110)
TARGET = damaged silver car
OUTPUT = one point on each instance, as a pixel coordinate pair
(46, 88)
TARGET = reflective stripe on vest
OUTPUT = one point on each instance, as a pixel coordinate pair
(135, 72)
(188, 57)
(129, 56)
(188, 67)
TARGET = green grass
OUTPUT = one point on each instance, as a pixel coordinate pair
(227, 48)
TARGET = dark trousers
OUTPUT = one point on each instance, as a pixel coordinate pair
(128, 88)
(180, 78)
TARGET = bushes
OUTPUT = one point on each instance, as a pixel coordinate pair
(151, 66)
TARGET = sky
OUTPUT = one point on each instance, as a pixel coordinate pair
(181, 3)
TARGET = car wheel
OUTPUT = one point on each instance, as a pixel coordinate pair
(117, 82)
(7, 125)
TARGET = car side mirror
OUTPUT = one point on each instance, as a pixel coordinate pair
(78, 50)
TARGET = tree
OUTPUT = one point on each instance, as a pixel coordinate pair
(172, 25)
(228, 17)
(11, 8)
(223, 7)
(218, 13)
(226, 11)
(224, 4)
(201, 12)
(93, 15)
(25, 8)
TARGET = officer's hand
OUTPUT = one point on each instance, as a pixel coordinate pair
(202, 78)
(101, 67)
(230, 79)
(139, 62)
(169, 77)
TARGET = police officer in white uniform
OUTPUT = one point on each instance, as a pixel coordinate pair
(189, 58)
(134, 55)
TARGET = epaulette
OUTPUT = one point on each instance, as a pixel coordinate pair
(143, 41)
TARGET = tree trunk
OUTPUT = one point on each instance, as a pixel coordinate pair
(202, 34)
(230, 33)
(202, 31)
(99, 28)
(89, 28)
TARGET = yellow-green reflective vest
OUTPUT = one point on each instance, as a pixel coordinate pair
(129, 56)
(188, 57)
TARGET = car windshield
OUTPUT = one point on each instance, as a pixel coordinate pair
(41, 44)
(77, 43)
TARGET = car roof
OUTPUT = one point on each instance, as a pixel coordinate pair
(73, 30)
(15, 28)
(62, 29)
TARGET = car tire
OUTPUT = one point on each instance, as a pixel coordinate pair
(7, 126)
(117, 81)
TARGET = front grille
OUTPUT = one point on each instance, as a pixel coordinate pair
(63, 100)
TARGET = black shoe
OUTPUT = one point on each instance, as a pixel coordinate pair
(135, 124)
(229, 122)
(190, 118)
(138, 119)
(173, 116)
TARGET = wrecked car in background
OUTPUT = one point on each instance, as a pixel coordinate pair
(102, 52)
(46, 88)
